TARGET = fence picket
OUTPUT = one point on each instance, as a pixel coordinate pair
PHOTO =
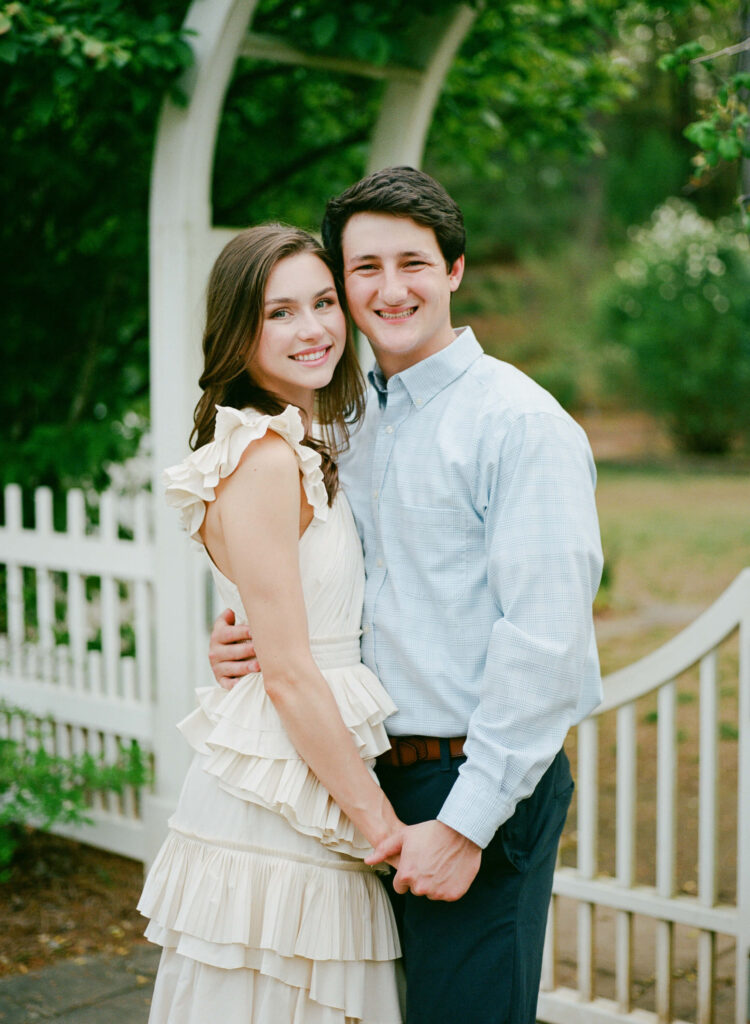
(14, 577)
(143, 607)
(625, 852)
(76, 603)
(665, 841)
(707, 829)
(588, 829)
(110, 616)
(45, 597)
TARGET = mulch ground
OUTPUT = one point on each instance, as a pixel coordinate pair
(66, 900)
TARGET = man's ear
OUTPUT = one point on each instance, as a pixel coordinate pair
(456, 273)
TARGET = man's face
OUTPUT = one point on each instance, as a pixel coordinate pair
(398, 288)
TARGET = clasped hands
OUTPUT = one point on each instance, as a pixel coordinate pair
(431, 859)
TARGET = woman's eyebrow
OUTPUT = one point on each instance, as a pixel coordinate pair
(288, 301)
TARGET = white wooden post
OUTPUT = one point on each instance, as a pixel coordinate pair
(180, 224)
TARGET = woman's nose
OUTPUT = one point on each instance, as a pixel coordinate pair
(310, 326)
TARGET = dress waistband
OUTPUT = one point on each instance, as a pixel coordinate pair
(336, 651)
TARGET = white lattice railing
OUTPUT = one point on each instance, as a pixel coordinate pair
(78, 638)
(718, 646)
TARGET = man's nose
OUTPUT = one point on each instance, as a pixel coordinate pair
(393, 289)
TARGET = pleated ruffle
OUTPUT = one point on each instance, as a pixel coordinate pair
(189, 992)
(192, 483)
(253, 758)
(321, 927)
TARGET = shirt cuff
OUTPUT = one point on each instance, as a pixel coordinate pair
(468, 811)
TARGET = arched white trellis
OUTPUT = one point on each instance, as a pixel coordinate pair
(183, 245)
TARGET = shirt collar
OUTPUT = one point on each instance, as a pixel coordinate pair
(430, 376)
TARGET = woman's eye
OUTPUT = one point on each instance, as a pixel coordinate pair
(279, 314)
(325, 303)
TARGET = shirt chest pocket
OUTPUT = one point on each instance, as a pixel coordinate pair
(429, 552)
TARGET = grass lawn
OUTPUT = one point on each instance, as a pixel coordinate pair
(673, 541)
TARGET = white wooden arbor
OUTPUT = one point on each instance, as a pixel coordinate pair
(183, 245)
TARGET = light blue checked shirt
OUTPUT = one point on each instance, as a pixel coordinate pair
(473, 493)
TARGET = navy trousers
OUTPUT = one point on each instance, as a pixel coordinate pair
(478, 960)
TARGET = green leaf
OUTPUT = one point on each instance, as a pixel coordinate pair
(324, 29)
(729, 147)
(702, 133)
(8, 50)
(370, 46)
(5, 24)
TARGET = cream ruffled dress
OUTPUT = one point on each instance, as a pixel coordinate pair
(259, 896)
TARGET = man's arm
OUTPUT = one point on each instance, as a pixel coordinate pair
(544, 563)
(543, 568)
(231, 651)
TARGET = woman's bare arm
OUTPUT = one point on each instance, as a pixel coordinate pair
(258, 511)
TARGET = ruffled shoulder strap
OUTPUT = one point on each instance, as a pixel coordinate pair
(192, 483)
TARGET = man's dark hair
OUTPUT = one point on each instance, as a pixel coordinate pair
(400, 192)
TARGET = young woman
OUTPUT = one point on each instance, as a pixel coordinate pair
(259, 896)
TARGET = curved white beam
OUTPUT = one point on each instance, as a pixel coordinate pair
(407, 108)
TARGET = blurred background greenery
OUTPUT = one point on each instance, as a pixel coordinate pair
(561, 127)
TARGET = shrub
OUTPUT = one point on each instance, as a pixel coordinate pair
(39, 789)
(679, 304)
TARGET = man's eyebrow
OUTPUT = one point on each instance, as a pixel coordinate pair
(286, 301)
(399, 255)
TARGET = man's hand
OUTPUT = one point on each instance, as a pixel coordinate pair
(231, 651)
(436, 861)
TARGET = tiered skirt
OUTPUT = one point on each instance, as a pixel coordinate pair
(259, 896)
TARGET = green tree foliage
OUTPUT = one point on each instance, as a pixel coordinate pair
(720, 129)
(81, 87)
(679, 306)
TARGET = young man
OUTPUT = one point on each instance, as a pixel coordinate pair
(473, 492)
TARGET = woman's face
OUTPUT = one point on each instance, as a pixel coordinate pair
(303, 331)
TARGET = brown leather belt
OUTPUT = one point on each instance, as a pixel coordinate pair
(407, 750)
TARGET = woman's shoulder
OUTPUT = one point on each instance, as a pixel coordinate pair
(268, 441)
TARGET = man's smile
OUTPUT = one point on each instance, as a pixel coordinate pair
(402, 314)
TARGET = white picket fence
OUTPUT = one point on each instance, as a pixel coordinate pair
(70, 596)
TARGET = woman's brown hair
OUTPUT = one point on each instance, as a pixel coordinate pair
(234, 318)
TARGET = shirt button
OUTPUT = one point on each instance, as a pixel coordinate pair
(418, 401)
(379, 563)
(389, 429)
(375, 494)
(365, 629)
